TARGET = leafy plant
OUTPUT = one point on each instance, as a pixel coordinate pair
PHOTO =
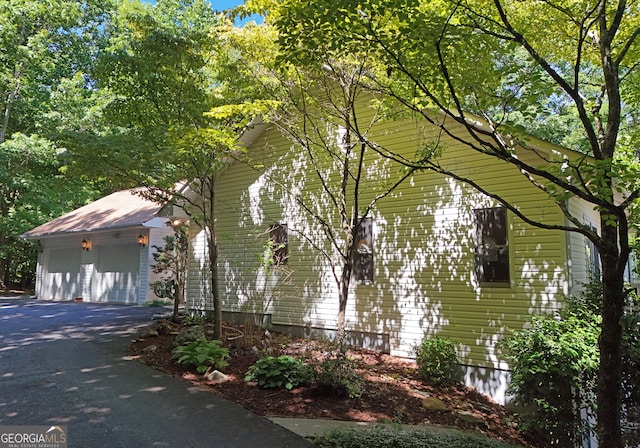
(338, 375)
(389, 437)
(157, 303)
(555, 365)
(193, 319)
(437, 361)
(201, 353)
(283, 371)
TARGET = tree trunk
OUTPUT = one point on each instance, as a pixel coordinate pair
(343, 295)
(213, 256)
(609, 390)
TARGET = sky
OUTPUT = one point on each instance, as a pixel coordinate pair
(221, 5)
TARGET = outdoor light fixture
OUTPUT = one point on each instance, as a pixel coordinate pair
(142, 240)
(86, 244)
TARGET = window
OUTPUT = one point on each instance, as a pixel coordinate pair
(363, 253)
(491, 246)
(593, 259)
(279, 243)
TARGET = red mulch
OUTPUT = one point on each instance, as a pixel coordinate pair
(393, 392)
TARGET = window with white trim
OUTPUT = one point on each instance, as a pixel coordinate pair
(279, 237)
(492, 246)
(363, 253)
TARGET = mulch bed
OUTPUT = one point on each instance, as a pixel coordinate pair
(393, 392)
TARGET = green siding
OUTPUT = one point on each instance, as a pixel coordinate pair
(424, 264)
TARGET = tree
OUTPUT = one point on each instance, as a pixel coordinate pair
(46, 50)
(167, 121)
(320, 113)
(171, 261)
(495, 62)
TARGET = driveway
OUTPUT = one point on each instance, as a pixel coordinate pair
(64, 363)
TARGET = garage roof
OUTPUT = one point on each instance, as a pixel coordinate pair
(124, 208)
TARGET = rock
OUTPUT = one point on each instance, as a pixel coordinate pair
(164, 328)
(434, 404)
(419, 394)
(469, 417)
(189, 334)
(150, 334)
(150, 349)
(217, 376)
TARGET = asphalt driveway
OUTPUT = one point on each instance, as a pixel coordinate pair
(64, 363)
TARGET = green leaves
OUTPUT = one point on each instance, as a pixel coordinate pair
(283, 371)
(201, 354)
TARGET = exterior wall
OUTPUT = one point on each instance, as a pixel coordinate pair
(579, 246)
(425, 282)
(116, 269)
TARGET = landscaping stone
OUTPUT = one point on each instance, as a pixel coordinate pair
(434, 404)
(217, 376)
(469, 417)
(150, 349)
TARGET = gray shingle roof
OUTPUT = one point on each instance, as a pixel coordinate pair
(120, 209)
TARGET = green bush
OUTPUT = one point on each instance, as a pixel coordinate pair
(193, 320)
(555, 365)
(202, 354)
(157, 303)
(437, 361)
(389, 437)
(283, 371)
(337, 375)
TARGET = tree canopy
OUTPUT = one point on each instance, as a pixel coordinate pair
(504, 69)
(47, 51)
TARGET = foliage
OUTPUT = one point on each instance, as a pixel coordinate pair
(202, 354)
(47, 51)
(437, 361)
(337, 375)
(555, 366)
(193, 319)
(157, 303)
(283, 371)
(171, 262)
(389, 437)
(491, 68)
(173, 107)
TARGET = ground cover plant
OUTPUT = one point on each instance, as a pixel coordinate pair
(389, 437)
(392, 391)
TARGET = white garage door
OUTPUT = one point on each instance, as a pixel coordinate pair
(115, 277)
(61, 280)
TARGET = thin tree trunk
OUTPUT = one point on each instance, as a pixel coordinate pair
(213, 258)
(345, 280)
(11, 96)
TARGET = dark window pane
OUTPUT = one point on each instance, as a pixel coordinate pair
(363, 254)
(491, 245)
(279, 243)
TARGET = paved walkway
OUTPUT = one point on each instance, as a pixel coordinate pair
(62, 364)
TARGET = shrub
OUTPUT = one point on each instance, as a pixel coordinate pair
(157, 303)
(202, 354)
(437, 361)
(337, 375)
(555, 364)
(193, 320)
(389, 437)
(283, 371)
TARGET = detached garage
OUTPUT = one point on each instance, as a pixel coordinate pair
(101, 252)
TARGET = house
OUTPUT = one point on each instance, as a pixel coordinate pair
(101, 252)
(443, 258)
